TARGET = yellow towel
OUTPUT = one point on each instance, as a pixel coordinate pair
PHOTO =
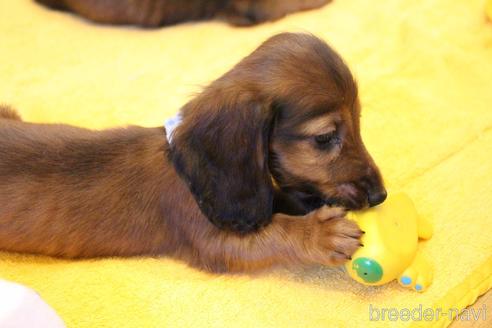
(425, 73)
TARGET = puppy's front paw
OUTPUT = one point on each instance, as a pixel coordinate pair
(329, 237)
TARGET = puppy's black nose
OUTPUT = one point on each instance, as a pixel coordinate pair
(376, 197)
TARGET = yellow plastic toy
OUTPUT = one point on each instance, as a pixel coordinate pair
(390, 246)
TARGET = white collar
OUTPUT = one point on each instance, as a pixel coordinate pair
(172, 123)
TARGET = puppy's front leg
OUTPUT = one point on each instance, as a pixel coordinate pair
(323, 236)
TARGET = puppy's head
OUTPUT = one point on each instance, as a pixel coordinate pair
(284, 120)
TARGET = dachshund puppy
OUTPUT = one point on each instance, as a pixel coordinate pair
(243, 184)
(153, 13)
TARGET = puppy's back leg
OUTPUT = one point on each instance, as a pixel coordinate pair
(9, 113)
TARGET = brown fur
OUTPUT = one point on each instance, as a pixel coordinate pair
(8, 113)
(152, 13)
(231, 191)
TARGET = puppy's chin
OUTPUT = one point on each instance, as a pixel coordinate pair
(313, 202)
(296, 202)
(303, 202)
(348, 203)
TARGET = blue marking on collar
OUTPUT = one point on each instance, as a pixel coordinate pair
(171, 124)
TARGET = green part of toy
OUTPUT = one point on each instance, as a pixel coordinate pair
(368, 269)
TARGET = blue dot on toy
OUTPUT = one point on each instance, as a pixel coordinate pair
(406, 281)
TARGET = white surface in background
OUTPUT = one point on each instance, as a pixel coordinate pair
(22, 307)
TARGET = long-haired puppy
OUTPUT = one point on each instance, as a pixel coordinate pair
(244, 184)
(152, 13)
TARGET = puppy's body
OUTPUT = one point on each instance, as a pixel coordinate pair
(67, 191)
(75, 193)
(208, 198)
(153, 13)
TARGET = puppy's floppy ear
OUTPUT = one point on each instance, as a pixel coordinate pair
(221, 151)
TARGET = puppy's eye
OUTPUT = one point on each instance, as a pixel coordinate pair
(328, 140)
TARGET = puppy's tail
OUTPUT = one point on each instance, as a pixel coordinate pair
(9, 113)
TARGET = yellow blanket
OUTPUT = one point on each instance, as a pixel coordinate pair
(425, 73)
